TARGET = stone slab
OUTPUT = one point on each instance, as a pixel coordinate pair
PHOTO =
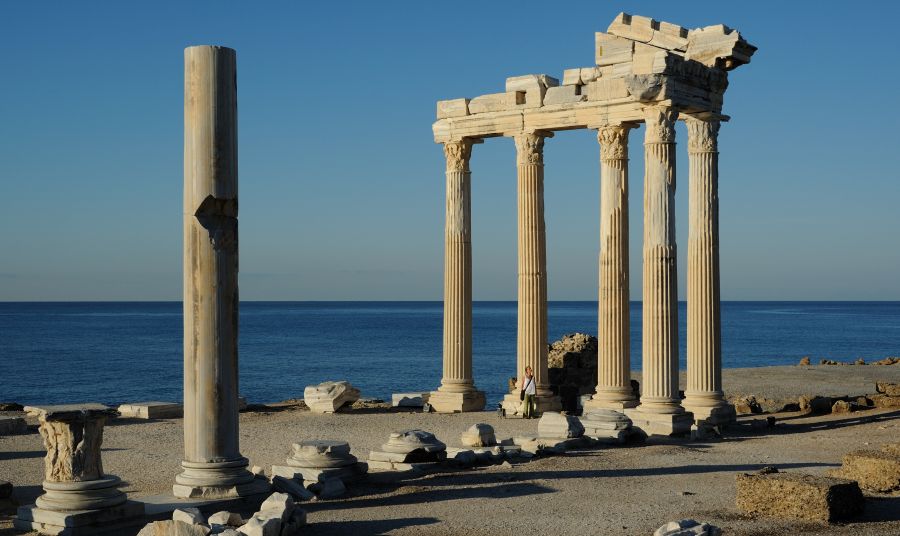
(112, 520)
(157, 507)
(70, 411)
(452, 108)
(874, 470)
(664, 424)
(152, 410)
(496, 102)
(409, 400)
(256, 486)
(798, 496)
(563, 95)
(443, 402)
(610, 49)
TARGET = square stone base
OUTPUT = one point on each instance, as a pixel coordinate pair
(606, 404)
(713, 416)
(115, 520)
(257, 486)
(456, 402)
(511, 404)
(661, 424)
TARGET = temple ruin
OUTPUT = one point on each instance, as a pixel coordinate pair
(649, 72)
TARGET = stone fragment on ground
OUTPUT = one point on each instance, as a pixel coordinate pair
(231, 519)
(746, 405)
(556, 425)
(798, 496)
(329, 488)
(804, 361)
(409, 400)
(606, 425)
(842, 406)
(189, 515)
(687, 527)
(171, 527)
(151, 410)
(479, 435)
(292, 487)
(315, 460)
(328, 397)
(874, 470)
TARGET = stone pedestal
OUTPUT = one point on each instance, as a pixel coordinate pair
(213, 465)
(407, 450)
(78, 497)
(613, 350)
(319, 460)
(532, 268)
(662, 424)
(457, 392)
(704, 396)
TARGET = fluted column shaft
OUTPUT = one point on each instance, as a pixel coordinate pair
(660, 284)
(613, 355)
(457, 375)
(532, 255)
(704, 326)
(212, 457)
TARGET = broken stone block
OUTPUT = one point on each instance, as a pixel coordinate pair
(798, 496)
(328, 397)
(841, 406)
(12, 426)
(416, 445)
(496, 102)
(646, 30)
(479, 435)
(151, 410)
(409, 400)
(885, 401)
(262, 525)
(606, 425)
(563, 95)
(278, 505)
(874, 470)
(189, 515)
(291, 487)
(611, 49)
(462, 457)
(230, 519)
(556, 425)
(173, 528)
(452, 108)
(718, 46)
(533, 85)
(687, 527)
(315, 460)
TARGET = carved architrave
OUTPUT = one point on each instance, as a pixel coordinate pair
(660, 123)
(457, 153)
(529, 149)
(703, 135)
(613, 141)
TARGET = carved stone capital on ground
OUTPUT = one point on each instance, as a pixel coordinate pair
(703, 135)
(458, 153)
(72, 436)
(660, 124)
(613, 141)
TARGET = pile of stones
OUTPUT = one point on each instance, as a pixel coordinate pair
(408, 450)
(876, 471)
(325, 467)
(607, 426)
(277, 516)
(329, 397)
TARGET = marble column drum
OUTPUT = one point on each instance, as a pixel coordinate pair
(660, 410)
(532, 268)
(457, 392)
(704, 396)
(614, 352)
(213, 466)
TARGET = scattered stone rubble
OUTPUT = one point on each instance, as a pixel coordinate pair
(408, 450)
(687, 527)
(874, 470)
(329, 397)
(607, 426)
(277, 516)
(315, 464)
(798, 496)
(887, 395)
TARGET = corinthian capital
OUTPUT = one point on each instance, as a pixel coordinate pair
(703, 135)
(530, 148)
(660, 122)
(613, 142)
(457, 153)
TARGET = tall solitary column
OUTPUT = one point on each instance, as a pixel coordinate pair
(704, 396)
(614, 352)
(532, 254)
(660, 411)
(213, 465)
(457, 391)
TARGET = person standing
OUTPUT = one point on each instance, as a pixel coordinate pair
(526, 393)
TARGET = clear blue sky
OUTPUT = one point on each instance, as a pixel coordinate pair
(341, 184)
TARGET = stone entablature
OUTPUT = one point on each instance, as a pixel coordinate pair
(639, 62)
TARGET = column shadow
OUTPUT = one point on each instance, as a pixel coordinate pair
(358, 528)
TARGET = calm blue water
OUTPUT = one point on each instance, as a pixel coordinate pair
(119, 352)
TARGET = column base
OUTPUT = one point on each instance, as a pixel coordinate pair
(712, 415)
(258, 485)
(663, 424)
(113, 520)
(511, 405)
(444, 402)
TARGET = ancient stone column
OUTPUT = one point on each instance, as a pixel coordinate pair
(660, 411)
(457, 391)
(704, 396)
(213, 465)
(614, 352)
(79, 497)
(532, 254)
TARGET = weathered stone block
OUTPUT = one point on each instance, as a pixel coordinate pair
(611, 49)
(874, 470)
(192, 516)
(607, 89)
(173, 528)
(496, 102)
(452, 108)
(479, 435)
(328, 397)
(533, 85)
(887, 388)
(885, 401)
(557, 425)
(798, 496)
(152, 410)
(563, 95)
(231, 519)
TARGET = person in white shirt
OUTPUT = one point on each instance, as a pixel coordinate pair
(526, 393)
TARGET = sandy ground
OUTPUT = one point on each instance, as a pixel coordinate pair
(628, 490)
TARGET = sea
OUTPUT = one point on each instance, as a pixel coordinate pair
(117, 352)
